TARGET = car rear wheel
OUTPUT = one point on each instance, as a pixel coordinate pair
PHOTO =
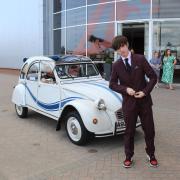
(75, 129)
(21, 111)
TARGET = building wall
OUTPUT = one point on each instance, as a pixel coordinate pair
(21, 31)
(88, 26)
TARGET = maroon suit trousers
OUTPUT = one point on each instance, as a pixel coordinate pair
(146, 116)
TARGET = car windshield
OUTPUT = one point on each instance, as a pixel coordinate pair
(65, 71)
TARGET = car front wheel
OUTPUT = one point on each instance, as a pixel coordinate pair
(21, 111)
(75, 129)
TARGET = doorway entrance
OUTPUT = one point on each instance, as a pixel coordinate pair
(137, 34)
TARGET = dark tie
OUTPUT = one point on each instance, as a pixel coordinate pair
(128, 66)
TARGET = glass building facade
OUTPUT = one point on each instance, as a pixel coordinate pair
(87, 27)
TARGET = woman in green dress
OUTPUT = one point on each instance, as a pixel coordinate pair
(168, 68)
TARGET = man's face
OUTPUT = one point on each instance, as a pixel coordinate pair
(74, 70)
(123, 51)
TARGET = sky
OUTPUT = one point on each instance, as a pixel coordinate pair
(21, 31)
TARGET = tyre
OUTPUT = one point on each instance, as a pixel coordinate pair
(21, 111)
(75, 129)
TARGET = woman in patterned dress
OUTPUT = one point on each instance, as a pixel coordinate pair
(168, 68)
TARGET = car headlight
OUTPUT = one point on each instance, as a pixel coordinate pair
(100, 104)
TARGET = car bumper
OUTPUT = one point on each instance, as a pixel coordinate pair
(118, 132)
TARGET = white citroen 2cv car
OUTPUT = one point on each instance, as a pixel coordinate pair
(70, 89)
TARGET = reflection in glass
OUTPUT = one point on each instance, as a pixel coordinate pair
(76, 40)
(75, 3)
(99, 41)
(32, 74)
(77, 70)
(97, 1)
(163, 37)
(59, 41)
(134, 9)
(47, 74)
(166, 9)
(76, 17)
(101, 13)
(59, 5)
(59, 20)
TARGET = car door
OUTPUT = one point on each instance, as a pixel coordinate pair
(48, 90)
(32, 84)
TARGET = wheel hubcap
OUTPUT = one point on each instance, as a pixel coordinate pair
(74, 129)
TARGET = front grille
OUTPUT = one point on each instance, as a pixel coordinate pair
(119, 124)
(119, 115)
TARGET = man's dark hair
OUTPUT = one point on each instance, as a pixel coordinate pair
(119, 41)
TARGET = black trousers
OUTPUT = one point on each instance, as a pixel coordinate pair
(146, 116)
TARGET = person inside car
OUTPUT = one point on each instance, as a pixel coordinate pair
(74, 70)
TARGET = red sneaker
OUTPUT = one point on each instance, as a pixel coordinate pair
(152, 161)
(128, 163)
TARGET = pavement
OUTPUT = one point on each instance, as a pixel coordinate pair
(31, 149)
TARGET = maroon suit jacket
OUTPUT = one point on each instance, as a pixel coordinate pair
(121, 79)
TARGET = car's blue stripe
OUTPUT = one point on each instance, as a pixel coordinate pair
(107, 88)
(51, 106)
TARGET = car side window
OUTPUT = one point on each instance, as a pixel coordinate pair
(24, 71)
(32, 74)
(47, 74)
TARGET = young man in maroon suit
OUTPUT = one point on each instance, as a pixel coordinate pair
(128, 78)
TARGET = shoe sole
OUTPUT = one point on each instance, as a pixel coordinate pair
(148, 159)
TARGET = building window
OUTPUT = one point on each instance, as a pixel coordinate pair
(134, 9)
(76, 40)
(166, 9)
(101, 13)
(97, 1)
(59, 5)
(164, 37)
(76, 17)
(75, 3)
(167, 35)
(59, 20)
(99, 41)
(59, 41)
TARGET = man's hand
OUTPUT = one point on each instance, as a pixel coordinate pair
(130, 91)
(139, 94)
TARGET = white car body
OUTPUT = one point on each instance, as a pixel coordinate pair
(82, 93)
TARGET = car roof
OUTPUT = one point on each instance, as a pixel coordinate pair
(36, 58)
(59, 59)
(72, 59)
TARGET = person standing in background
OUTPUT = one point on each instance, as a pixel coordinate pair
(169, 62)
(156, 64)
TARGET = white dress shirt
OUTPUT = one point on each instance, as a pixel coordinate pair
(129, 58)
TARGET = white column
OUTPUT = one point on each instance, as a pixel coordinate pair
(150, 39)
(150, 34)
(86, 28)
